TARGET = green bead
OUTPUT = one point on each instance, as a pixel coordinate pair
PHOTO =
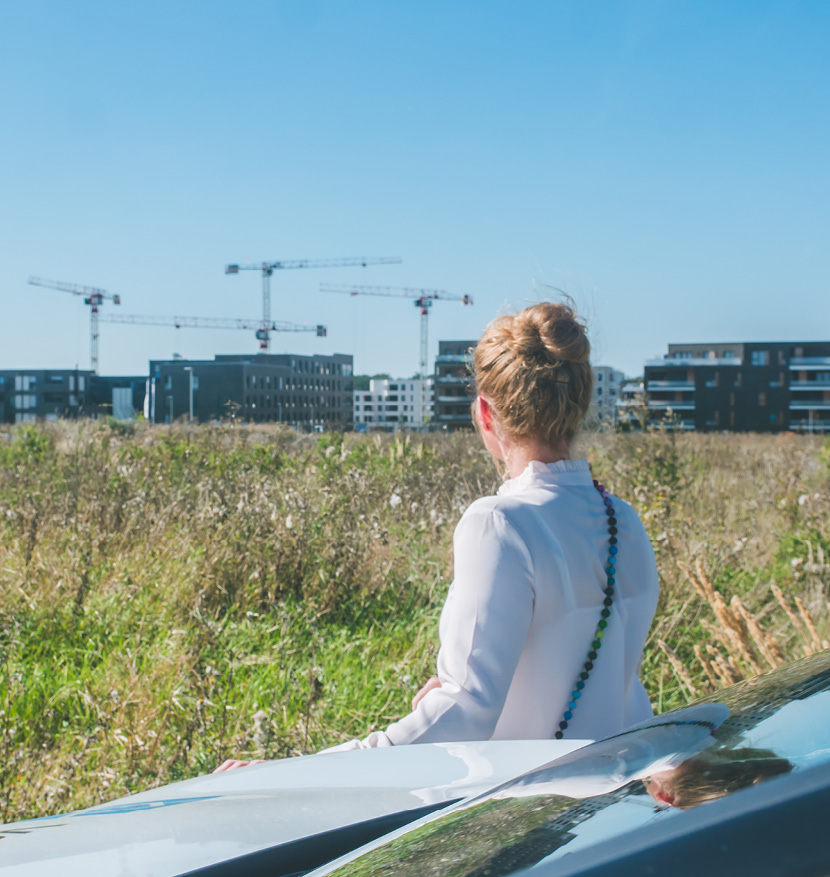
(596, 644)
(603, 625)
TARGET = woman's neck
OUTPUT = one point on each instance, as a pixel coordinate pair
(517, 453)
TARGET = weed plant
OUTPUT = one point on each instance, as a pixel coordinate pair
(171, 596)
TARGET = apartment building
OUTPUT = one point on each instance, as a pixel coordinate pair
(391, 404)
(751, 386)
(311, 393)
(453, 385)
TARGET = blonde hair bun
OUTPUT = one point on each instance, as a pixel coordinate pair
(550, 332)
(534, 367)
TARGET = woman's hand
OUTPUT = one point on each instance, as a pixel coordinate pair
(432, 682)
(234, 763)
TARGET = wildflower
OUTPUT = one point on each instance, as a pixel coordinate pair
(394, 501)
(289, 522)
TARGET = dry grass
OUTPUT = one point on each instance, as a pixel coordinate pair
(169, 597)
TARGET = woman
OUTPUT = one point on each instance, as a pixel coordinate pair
(542, 632)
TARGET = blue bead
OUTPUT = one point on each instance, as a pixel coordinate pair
(559, 735)
(612, 580)
(563, 725)
(576, 695)
(612, 549)
(580, 686)
(572, 705)
(612, 560)
(569, 715)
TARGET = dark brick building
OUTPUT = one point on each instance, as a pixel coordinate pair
(28, 395)
(453, 385)
(306, 392)
(752, 387)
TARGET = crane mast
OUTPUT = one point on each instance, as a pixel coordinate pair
(268, 269)
(93, 297)
(422, 299)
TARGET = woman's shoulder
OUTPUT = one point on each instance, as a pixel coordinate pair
(483, 510)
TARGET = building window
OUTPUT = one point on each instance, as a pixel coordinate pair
(760, 357)
(762, 398)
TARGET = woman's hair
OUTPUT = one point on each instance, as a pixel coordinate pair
(715, 774)
(533, 367)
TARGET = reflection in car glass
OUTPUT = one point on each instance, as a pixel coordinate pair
(760, 729)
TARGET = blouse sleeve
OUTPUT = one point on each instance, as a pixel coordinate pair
(484, 627)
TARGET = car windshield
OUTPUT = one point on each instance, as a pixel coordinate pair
(760, 729)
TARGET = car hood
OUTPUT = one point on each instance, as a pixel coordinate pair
(213, 818)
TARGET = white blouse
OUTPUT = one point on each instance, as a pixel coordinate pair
(521, 612)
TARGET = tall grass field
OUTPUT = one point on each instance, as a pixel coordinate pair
(172, 596)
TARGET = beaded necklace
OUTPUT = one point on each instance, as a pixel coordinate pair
(599, 634)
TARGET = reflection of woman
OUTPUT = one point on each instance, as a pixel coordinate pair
(713, 774)
(555, 582)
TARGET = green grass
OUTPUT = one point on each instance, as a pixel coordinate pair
(171, 597)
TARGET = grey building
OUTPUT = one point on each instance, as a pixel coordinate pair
(306, 392)
(753, 386)
(454, 385)
(28, 395)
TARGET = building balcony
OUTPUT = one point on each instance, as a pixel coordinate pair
(453, 357)
(815, 425)
(682, 386)
(458, 380)
(459, 417)
(670, 406)
(806, 363)
(455, 400)
(693, 361)
(810, 406)
(810, 385)
(680, 424)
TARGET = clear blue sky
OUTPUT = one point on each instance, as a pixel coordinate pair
(666, 163)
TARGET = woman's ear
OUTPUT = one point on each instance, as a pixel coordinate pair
(485, 414)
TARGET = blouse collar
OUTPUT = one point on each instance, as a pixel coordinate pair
(536, 474)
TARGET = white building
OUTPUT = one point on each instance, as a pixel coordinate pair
(608, 384)
(391, 404)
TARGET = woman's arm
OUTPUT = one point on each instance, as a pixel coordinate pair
(484, 627)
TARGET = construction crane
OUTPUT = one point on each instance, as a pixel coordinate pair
(93, 297)
(422, 299)
(215, 323)
(268, 268)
